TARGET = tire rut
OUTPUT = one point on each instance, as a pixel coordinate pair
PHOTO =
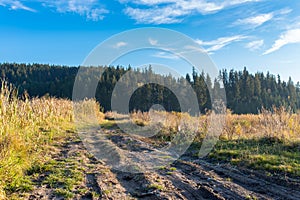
(191, 179)
(255, 182)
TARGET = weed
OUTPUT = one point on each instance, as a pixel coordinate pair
(106, 191)
(64, 193)
(95, 194)
(172, 169)
(156, 187)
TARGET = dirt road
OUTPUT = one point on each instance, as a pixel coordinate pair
(187, 178)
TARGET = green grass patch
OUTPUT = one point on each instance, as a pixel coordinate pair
(21, 185)
(106, 124)
(172, 169)
(63, 174)
(264, 154)
(156, 187)
(64, 193)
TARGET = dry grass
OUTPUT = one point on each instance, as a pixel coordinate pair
(27, 128)
(268, 141)
(280, 123)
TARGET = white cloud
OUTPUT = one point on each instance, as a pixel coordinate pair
(15, 5)
(203, 7)
(194, 48)
(260, 19)
(120, 44)
(97, 14)
(285, 11)
(187, 49)
(219, 43)
(166, 15)
(255, 45)
(289, 37)
(255, 21)
(91, 9)
(166, 55)
(148, 2)
(174, 11)
(153, 42)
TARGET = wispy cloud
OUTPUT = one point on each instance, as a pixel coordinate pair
(166, 15)
(255, 21)
(166, 55)
(194, 48)
(174, 11)
(91, 9)
(153, 42)
(120, 44)
(289, 37)
(219, 43)
(285, 11)
(255, 45)
(15, 5)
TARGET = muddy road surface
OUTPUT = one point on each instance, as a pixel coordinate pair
(187, 178)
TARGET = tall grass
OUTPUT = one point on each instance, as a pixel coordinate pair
(268, 141)
(27, 128)
(278, 123)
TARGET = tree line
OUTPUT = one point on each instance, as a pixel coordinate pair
(245, 92)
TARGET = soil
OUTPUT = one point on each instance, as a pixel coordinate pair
(186, 178)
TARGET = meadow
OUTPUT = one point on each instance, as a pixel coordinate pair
(268, 141)
(31, 127)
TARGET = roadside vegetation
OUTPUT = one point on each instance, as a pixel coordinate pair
(29, 130)
(267, 141)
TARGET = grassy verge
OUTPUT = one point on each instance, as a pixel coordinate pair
(273, 156)
(269, 141)
(63, 176)
(28, 128)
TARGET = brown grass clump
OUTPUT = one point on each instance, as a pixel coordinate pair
(279, 123)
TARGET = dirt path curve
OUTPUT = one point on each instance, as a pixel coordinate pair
(187, 178)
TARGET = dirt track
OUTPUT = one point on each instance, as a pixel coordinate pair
(187, 178)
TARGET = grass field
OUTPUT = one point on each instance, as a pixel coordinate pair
(30, 128)
(269, 141)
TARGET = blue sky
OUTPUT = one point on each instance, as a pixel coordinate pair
(263, 35)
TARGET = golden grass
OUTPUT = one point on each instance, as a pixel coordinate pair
(27, 128)
(268, 141)
(279, 123)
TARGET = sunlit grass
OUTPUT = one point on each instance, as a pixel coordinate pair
(28, 127)
(264, 154)
(268, 141)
